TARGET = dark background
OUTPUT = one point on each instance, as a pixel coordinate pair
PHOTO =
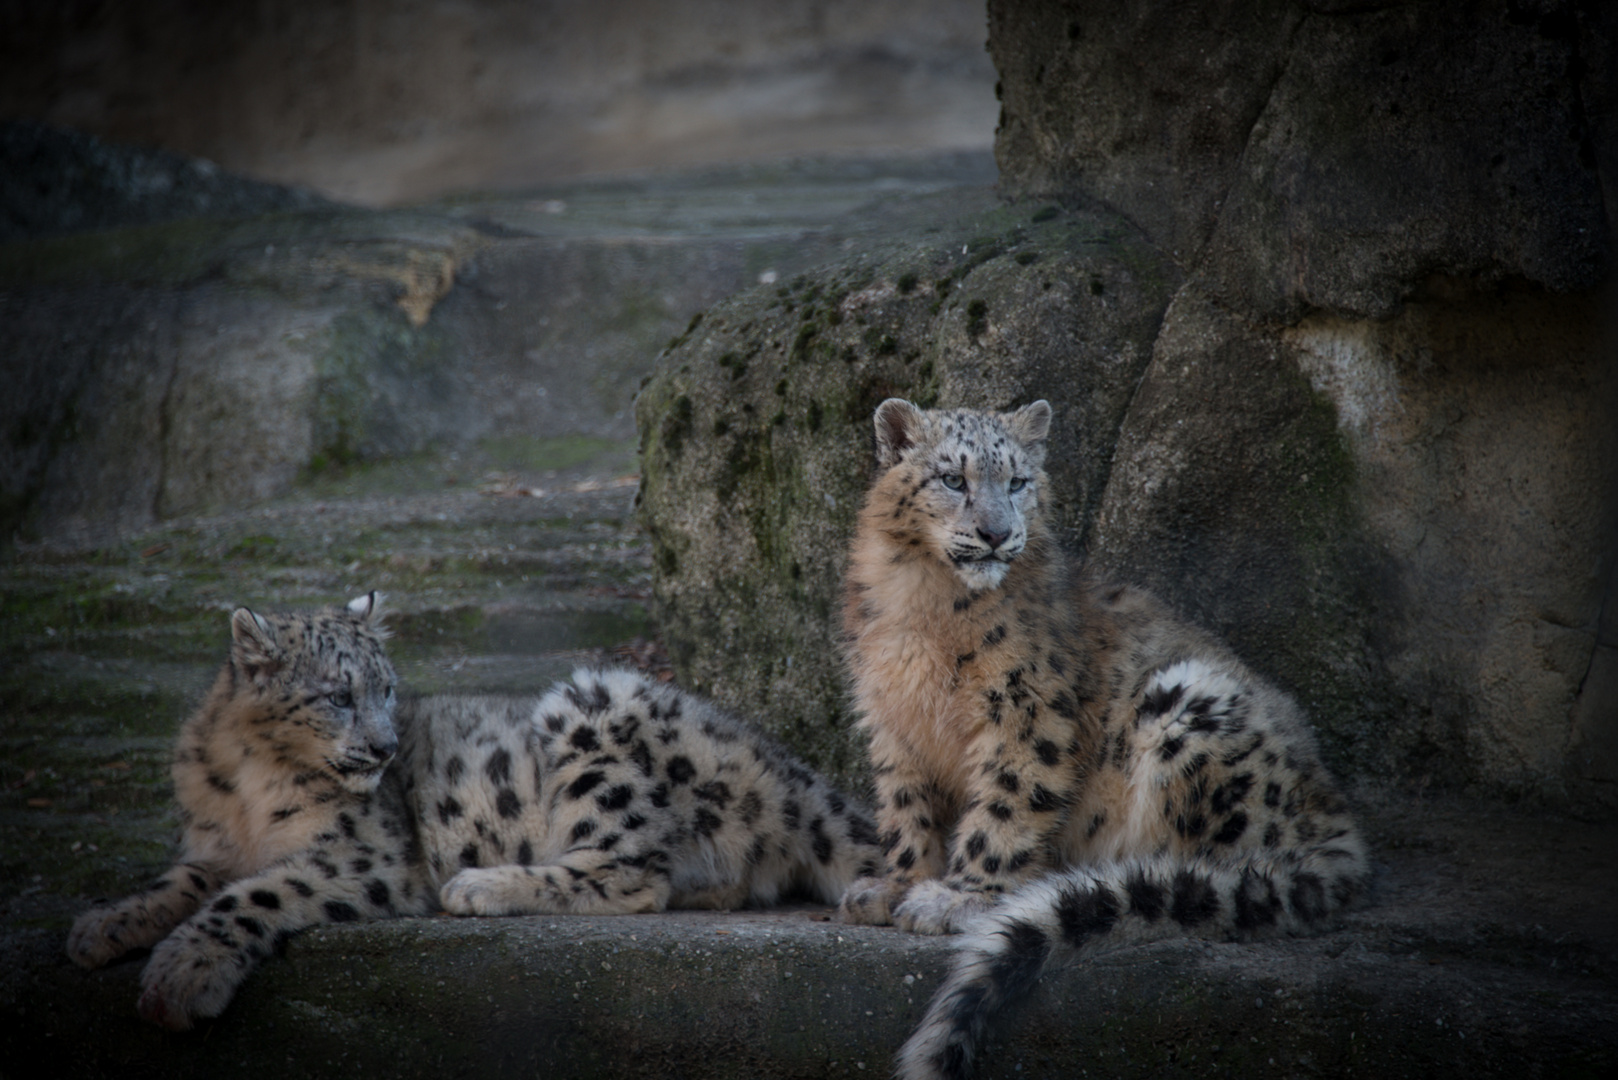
(389, 102)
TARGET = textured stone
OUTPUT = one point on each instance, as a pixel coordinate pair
(1144, 105)
(393, 104)
(53, 181)
(170, 366)
(1418, 140)
(1401, 521)
(1322, 155)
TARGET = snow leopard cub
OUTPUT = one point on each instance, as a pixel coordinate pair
(309, 795)
(1062, 765)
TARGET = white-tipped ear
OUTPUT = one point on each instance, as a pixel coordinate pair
(253, 643)
(898, 426)
(1030, 424)
(367, 606)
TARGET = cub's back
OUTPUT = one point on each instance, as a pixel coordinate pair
(634, 769)
(469, 766)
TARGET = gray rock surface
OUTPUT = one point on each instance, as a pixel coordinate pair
(1409, 521)
(53, 180)
(1324, 155)
(175, 367)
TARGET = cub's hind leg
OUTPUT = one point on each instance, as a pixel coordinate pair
(584, 881)
(101, 935)
(1231, 768)
(1233, 830)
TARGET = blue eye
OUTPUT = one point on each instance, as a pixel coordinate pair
(341, 698)
(1018, 483)
(954, 481)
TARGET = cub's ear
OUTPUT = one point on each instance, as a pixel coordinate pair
(253, 645)
(368, 606)
(898, 426)
(1030, 424)
(369, 609)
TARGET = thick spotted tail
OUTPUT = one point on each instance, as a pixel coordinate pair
(1082, 912)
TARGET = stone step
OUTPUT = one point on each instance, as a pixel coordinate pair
(1463, 965)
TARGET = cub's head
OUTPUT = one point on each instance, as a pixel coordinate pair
(963, 482)
(320, 687)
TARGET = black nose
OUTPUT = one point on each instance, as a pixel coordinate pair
(993, 539)
(384, 749)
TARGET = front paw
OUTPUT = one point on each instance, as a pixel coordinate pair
(932, 907)
(476, 891)
(869, 901)
(99, 937)
(190, 977)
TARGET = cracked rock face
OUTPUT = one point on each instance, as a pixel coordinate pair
(1323, 156)
(1371, 442)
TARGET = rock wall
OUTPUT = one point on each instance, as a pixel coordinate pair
(1374, 439)
(1408, 206)
(194, 365)
(1324, 155)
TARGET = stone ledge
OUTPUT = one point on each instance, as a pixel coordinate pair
(1487, 951)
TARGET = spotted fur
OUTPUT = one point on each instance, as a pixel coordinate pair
(308, 795)
(1061, 765)
(617, 794)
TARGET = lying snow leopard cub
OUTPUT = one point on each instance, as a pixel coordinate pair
(308, 797)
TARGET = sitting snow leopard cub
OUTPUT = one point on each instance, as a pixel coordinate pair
(611, 794)
(1053, 750)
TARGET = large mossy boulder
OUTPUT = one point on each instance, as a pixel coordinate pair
(756, 429)
(1363, 424)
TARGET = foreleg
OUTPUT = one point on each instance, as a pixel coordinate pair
(1021, 794)
(196, 970)
(101, 935)
(909, 818)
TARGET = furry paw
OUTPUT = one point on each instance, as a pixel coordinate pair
(479, 891)
(99, 937)
(932, 907)
(190, 977)
(869, 901)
